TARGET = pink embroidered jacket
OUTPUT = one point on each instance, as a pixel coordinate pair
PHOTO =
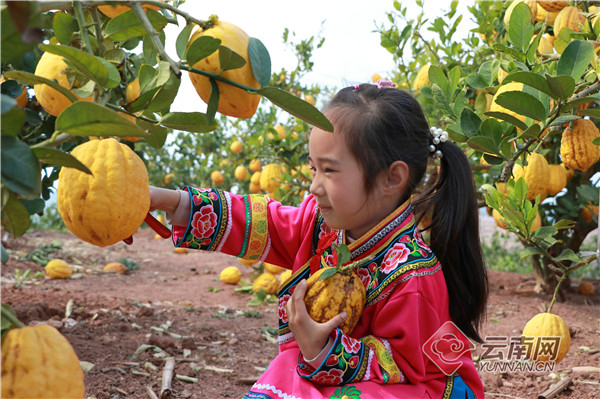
(405, 344)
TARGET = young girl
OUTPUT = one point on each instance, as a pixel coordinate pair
(422, 301)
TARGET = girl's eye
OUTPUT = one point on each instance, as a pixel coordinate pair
(328, 170)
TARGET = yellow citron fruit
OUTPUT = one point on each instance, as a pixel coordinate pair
(247, 262)
(576, 148)
(588, 212)
(58, 268)
(39, 362)
(116, 267)
(557, 180)
(23, 98)
(375, 77)
(270, 177)
(512, 86)
(280, 131)
(254, 187)
(216, 177)
(500, 222)
(540, 327)
(283, 277)
(542, 14)
(553, 5)
(180, 250)
(230, 275)
(569, 17)
(132, 91)
(236, 147)
(233, 101)
(273, 269)
(241, 172)
(586, 288)
(267, 281)
(546, 45)
(168, 178)
(532, 4)
(329, 297)
(422, 78)
(112, 11)
(109, 205)
(255, 165)
(53, 67)
(310, 99)
(255, 178)
(501, 75)
(535, 174)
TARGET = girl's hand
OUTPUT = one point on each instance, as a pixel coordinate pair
(310, 335)
(164, 199)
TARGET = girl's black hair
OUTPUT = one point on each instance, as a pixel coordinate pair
(384, 125)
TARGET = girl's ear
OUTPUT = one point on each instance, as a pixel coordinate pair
(396, 179)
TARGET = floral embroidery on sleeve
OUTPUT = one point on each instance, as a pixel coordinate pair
(204, 224)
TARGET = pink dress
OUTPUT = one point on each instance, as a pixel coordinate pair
(404, 345)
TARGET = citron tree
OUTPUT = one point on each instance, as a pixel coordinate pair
(107, 74)
(541, 70)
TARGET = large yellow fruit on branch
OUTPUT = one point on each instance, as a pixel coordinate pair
(38, 362)
(569, 17)
(110, 205)
(270, 177)
(535, 174)
(547, 328)
(233, 101)
(112, 11)
(512, 86)
(553, 5)
(422, 78)
(576, 148)
(557, 180)
(532, 4)
(53, 67)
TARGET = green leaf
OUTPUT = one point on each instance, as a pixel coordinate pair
(564, 224)
(126, 26)
(5, 258)
(20, 170)
(575, 59)
(530, 79)
(529, 251)
(343, 254)
(564, 119)
(531, 132)
(517, 55)
(508, 118)
(436, 76)
(568, 255)
(158, 88)
(483, 144)
(523, 104)
(476, 81)
(158, 134)
(213, 101)
(32, 79)
(562, 86)
(593, 113)
(183, 38)
(580, 101)
(33, 206)
(84, 118)
(328, 272)
(64, 26)
(12, 46)
(520, 28)
(296, 107)
(260, 60)
(188, 121)
(469, 123)
(201, 48)
(544, 232)
(440, 99)
(13, 120)
(55, 157)
(15, 217)
(229, 59)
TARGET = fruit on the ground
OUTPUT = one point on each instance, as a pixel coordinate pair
(255, 165)
(283, 277)
(236, 147)
(216, 177)
(542, 326)
(230, 275)
(233, 101)
(240, 172)
(180, 250)
(512, 86)
(422, 78)
(586, 288)
(58, 268)
(109, 205)
(273, 269)
(39, 362)
(327, 298)
(569, 17)
(53, 67)
(266, 281)
(557, 179)
(23, 98)
(270, 177)
(535, 174)
(112, 11)
(576, 147)
(247, 262)
(116, 267)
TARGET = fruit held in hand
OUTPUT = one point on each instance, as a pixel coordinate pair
(38, 362)
(546, 327)
(109, 205)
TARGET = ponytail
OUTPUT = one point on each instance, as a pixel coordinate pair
(455, 238)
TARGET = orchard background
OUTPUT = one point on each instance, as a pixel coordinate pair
(519, 94)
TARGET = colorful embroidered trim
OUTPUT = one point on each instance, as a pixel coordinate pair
(385, 359)
(256, 231)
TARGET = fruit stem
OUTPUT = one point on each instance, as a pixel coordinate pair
(82, 26)
(556, 289)
(220, 78)
(156, 43)
(10, 317)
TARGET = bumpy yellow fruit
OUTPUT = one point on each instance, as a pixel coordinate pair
(553, 5)
(422, 78)
(254, 187)
(512, 86)
(110, 205)
(535, 174)
(542, 14)
(255, 165)
(38, 362)
(546, 45)
(230, 275)
(532, 4)
(112, 11)
(557, 180)
(241, 173)
(586, 288)
(216, 177)
(500, 222)
(329, 297)
(232, 100)
(576, 148)
(247, 262)
(236, 147)
(270, 177)
(283, 277)
(52, 66)
(116, 267)
(58, 268)
(273, 269)
(267, 281)
(132, 91)
(569, 17)
(280, 131)
(542, 326)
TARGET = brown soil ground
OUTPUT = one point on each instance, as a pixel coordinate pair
(176, 306)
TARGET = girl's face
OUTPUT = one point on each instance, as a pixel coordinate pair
(338, 185)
